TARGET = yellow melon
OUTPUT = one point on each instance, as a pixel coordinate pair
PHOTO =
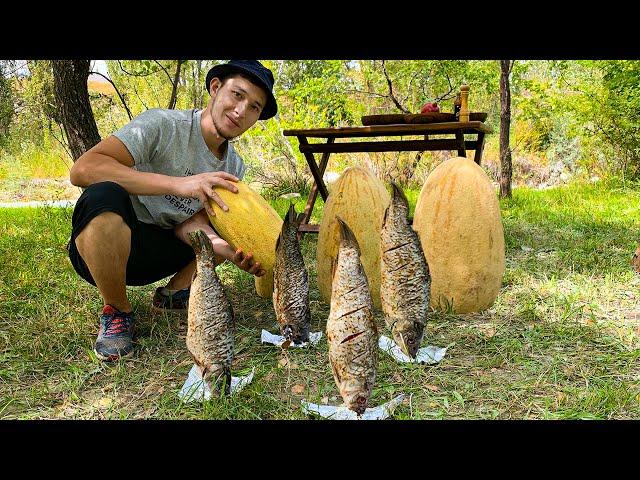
(457, 218)
(359, 198)
(252, 225)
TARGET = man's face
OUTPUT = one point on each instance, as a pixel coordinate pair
(236, 105)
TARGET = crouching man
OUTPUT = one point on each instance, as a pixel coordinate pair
(149, 184)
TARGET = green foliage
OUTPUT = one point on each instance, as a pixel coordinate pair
(32, 148)
(581, 115)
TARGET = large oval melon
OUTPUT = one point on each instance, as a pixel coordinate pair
(457, 218)
(252, 225)
(359, 198)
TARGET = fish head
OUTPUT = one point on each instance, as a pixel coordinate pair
(296, 332)
(408, 336)
(218, 379)
(355, 393)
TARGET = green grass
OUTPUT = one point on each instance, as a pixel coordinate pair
(560, 342)
(31, 161)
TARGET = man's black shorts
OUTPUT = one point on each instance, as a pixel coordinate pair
(156, 252)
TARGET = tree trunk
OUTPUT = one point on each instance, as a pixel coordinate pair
(174, 90)
(505, 124)
(197, 85)
(72, 100)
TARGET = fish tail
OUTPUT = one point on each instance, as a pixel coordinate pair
(291, 216)
(347, 234)
(201, 244)
(289, 219)
(399, 196)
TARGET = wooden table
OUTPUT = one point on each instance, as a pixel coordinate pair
(426, 130)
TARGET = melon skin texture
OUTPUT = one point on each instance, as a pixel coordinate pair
(457, 218)
(359, 198)
(252, 225)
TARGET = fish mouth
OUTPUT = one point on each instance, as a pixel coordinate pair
(407, 344)
(359, 404)
(218, 380)
(291, 336)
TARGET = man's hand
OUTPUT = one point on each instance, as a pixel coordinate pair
(201, 187)
(245, 262)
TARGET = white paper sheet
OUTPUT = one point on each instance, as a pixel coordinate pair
(343, 413)
(266, 337)
(428, 354)
(195, 388)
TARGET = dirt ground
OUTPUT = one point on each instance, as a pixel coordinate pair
(38, 189)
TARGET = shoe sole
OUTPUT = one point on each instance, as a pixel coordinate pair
(112, 357)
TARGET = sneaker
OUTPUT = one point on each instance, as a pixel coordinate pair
(115, 338)
(166, 302)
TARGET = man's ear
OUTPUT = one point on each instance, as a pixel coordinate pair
(214, 85)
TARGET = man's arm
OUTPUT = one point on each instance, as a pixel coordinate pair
(221, 248)
(110, 160)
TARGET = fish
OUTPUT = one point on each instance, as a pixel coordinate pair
(291, 284)
(210, 318)
(405, 280)
(352, 333)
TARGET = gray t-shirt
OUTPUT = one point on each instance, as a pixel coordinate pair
(170, 142)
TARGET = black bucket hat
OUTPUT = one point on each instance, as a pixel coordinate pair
(255, 70)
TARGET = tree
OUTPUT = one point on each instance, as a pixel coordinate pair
(505, 125)
(6, 99)
(72, 100)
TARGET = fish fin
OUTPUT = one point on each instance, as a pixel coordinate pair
(204, 371)
(347, 234)
(386, 213)
(233, 318)
(227, 380)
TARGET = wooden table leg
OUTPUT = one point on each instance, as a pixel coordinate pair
(313, 166)
(462, 151)
(317, 172)
(478, 155)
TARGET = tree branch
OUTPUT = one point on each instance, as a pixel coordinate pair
(374, 94)
(390, 85)
(165, 70)
(117, 91)
(446, 96)
(64, 146)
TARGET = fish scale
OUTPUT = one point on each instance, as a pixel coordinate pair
(210, 322)
(404, 276)
(291, 284)
(351, 330)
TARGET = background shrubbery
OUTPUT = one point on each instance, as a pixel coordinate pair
(569, 118)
